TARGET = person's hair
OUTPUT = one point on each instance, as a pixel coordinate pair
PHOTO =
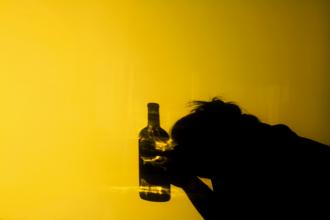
(209, 125)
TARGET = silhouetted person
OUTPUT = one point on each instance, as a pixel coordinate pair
(257, 170)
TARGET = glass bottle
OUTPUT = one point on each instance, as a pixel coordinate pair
(153, 144)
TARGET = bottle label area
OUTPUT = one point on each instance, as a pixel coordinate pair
(153, 179)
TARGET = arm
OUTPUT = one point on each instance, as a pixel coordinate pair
(201, 196)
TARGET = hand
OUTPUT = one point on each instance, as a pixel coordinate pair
(178, 171)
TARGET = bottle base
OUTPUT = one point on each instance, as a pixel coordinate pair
(155, 197)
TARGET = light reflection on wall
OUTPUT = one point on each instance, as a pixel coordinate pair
(76, 77)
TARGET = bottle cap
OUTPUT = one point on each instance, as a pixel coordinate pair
(153, 105)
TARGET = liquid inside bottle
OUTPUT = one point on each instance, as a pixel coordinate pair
(153, 144)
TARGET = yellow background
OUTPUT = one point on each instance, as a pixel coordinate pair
(75, 77)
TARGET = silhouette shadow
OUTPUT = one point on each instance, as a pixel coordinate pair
(257, 170)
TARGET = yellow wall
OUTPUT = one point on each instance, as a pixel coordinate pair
(75, 77)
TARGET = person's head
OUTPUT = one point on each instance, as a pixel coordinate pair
(206, 136)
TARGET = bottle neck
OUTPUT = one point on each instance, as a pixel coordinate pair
(153, 115)
(153, 119)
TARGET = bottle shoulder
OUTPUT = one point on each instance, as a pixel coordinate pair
(154, 132)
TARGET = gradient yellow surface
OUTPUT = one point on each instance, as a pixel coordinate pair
(75, 77)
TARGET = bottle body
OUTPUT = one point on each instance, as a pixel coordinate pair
(153, 144)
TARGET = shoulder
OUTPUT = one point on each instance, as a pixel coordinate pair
(284, 130)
